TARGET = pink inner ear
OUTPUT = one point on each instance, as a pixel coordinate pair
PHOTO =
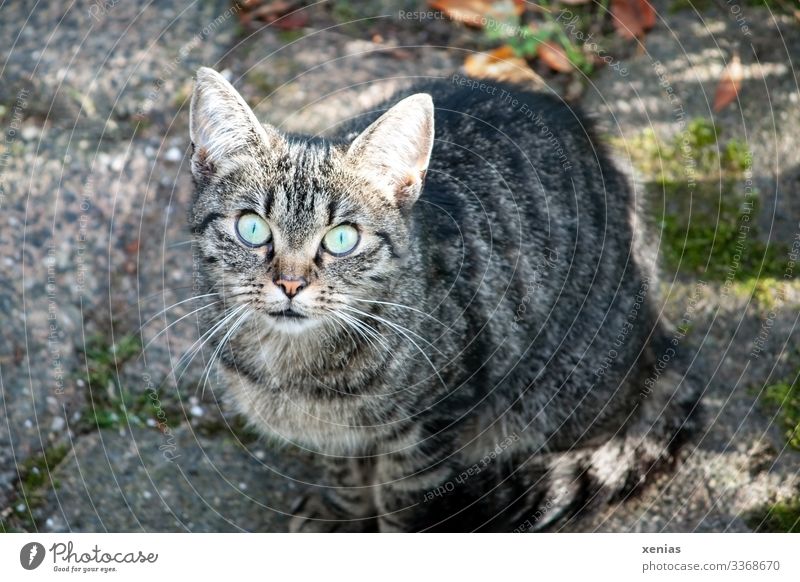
(203, 164)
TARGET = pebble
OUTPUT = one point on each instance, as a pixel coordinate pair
(173, 155)
(30, 133)
(58, 424)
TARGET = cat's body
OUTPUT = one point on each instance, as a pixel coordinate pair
(492, 353)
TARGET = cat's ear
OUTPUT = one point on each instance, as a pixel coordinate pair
(395, 150)
(221, 125)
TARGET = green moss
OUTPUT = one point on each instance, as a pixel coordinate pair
(35, 480)
(287, 36)
(35, 472)
(344, 11)
(708, 222)
(781, 517)
(103, 359)
(181, 96)
(112, 405)
(702, 5)
(767, 293)
(349, 14)
(713, 235)
(784, 398)
(736, 155)
(525, 40)
(694, 154)
(261, 82)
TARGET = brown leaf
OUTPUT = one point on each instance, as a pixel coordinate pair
(132, 247)
(627, 18)
(554, 57)
(501, 64)
(647, 14)
(292, 21)
(271, 12)
(729, 84)
(400, 54)
(477, 12)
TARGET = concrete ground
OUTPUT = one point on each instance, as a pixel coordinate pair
(98, 435)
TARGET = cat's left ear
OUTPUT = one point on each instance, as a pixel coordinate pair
(395, 150)
(222, 125)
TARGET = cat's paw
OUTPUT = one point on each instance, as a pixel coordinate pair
(313, 514)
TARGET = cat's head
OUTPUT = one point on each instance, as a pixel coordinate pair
(302, 230)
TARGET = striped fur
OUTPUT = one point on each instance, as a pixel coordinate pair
(486, 358)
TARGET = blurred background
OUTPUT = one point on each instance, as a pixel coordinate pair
(105, 427)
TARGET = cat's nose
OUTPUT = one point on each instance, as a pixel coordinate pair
(291, 284)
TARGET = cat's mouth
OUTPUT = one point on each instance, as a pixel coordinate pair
(289, 313)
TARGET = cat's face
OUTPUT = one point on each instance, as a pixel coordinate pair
(300, 231)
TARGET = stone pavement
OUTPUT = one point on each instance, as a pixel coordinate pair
(97, 434)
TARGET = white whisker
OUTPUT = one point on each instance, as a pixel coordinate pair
(163, 311)
(403, 331)
(414, 309)
(197, 346)
(392, 325)
(155, 337)
(219, 348)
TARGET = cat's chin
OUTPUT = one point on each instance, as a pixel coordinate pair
(292, 325)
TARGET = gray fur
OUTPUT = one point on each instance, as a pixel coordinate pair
(489, 351)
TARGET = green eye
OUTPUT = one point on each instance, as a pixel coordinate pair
(253, 230)
(340, 240)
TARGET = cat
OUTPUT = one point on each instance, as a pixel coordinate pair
(449, 302)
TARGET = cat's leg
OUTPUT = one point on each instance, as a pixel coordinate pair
(404, 486)
(345, 505)
(411, 481)
(583, 480)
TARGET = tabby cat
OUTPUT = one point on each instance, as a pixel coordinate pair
(446, 302)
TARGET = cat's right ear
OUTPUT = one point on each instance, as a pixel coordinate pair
(222, 125)
(395, 150)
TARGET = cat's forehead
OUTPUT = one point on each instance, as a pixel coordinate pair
(302, 179)
(305, 191)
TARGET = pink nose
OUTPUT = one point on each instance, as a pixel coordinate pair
(291, 285)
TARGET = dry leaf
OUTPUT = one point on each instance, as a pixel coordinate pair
(729, 84)
(478, 12)
(648, 14)
(501, 64)
(554, 57)
(292, 21)
(132, 247)
(628, 18)
(270, 12)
